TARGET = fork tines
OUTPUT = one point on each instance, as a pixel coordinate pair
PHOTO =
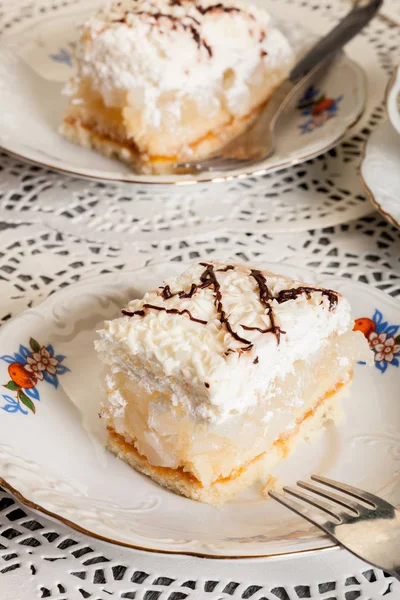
(329, 514)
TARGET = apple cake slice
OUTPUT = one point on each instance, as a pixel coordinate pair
(161, 81)
(213, 378)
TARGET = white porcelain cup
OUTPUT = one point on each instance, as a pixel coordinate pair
(392, 100)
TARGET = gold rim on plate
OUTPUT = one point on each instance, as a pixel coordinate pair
(101, 538)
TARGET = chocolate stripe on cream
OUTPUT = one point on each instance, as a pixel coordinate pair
(292, 294)
(209, 279)
(265, 299)
(171, 311)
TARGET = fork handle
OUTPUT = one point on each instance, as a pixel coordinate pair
(334, 41)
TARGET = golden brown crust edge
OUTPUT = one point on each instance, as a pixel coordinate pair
(77, 132)
(219, 492)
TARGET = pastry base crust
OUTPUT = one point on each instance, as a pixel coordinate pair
(185, 484)
(84, 134)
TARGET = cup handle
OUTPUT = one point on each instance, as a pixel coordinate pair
(391, 100)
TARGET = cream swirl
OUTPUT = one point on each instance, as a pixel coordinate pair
(203, 49)
(183, 345)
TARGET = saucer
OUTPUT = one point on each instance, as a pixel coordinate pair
(380, 171)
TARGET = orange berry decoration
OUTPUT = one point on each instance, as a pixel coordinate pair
(21, 376)
(322, 106)
(366, 326)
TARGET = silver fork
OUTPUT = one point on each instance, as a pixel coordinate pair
(258, 142)
(369, 528)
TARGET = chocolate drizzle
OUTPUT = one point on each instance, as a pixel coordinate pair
(190, 293)
(198, 39)
(136, 313)
(157, 16)
(171, 311)
(265, 299)
(167, 294)
(217, 8)
(256, 329)
(292, 294)
(209, 279)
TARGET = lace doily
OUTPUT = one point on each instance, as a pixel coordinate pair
(56, 230)
(56, 564)
(36, 260)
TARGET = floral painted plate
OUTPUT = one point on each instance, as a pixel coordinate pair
(51, 449)
(36, 60)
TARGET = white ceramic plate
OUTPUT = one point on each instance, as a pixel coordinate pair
(36, 60)
(380, 171)
(54, 458)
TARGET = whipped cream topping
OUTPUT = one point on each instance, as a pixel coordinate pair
(204, 49)
(216, 337)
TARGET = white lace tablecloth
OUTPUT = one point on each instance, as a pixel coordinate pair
(56, 230)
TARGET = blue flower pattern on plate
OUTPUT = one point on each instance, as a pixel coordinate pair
(26, 369)
(383, 339)
(317, 108)
(62, 56)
